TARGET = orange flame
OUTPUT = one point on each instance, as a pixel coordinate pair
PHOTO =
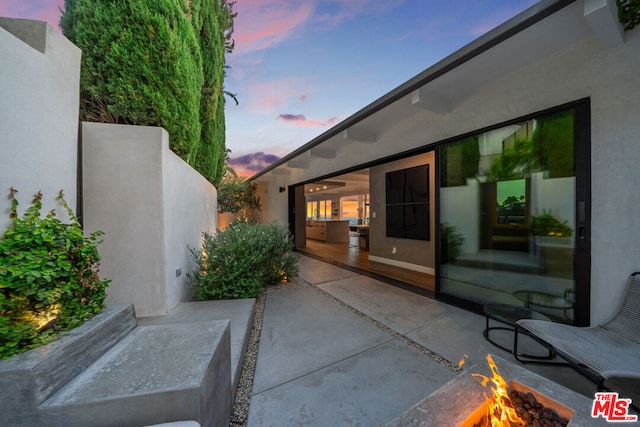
(501, 410)
(462, 361)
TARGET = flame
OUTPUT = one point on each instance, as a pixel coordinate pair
(462, 361)
(501, 410)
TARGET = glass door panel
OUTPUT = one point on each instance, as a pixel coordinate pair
(507, 216)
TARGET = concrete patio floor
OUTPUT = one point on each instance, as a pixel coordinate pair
(344, 349)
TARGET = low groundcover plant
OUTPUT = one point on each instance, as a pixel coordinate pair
(240, 260)
(49, 279)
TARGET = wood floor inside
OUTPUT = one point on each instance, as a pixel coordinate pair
(356, 258)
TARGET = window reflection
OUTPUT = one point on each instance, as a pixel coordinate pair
(501, 192)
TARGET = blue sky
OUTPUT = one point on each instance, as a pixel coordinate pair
(301, 66)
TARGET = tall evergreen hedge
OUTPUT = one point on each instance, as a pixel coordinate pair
(156, 63)
(215, 40)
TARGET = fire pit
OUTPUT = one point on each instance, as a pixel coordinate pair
(512, 404)
(464, 401)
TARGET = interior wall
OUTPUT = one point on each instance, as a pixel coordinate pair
(416, 254)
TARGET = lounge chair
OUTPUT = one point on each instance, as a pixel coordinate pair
(609, 352)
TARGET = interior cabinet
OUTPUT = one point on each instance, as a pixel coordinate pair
(328, 231)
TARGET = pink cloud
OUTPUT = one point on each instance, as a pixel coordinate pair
(348, 9)
(249, 164)
(268, 96)
(261, 24)
(302, 120)
(39, 10)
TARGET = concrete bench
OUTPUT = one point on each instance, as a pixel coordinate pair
(112, 372)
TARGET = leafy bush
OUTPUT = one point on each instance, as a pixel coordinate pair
(239, 261)
(48, 277)
(452, 242)
(236, 193)
(629, 13)
(546, 224)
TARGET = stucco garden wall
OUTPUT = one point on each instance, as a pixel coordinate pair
(39, 90)
(151, 205)
(583, 68)
(147, 200)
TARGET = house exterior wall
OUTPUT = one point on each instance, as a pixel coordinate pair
(39, 92)
(151, 205)
(584, 69)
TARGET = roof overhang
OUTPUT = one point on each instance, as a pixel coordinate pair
(540, 31)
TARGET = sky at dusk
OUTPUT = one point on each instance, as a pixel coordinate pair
(299, 67)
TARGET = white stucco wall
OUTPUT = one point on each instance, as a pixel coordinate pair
(608, 76)
(190, 208)
(39, 91)
(151, 205)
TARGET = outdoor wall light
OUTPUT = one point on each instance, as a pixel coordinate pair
(281, 189)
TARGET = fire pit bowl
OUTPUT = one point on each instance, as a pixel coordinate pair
(462, 401)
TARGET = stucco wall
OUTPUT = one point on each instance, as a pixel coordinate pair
(585, 69)
(190, 208)
(39, 90)
(151, 205)
(273, 203)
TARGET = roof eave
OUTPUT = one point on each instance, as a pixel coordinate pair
(508, 29)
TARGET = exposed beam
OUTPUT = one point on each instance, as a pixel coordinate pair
(298, 164)
(431, 101)
(602, 17)
(281, 172)
(324, 153)
(359, 135)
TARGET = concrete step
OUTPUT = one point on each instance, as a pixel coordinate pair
(28, 379)
(157, 374)
(240, 312)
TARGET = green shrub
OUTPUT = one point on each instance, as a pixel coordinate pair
(239, 261)
(546, 224)
(629, 13)
(48, 277)
(452, 242)
(237, 193)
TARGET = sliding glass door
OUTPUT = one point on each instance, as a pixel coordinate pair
(509, 226)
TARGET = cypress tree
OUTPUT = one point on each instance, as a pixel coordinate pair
(156, 63)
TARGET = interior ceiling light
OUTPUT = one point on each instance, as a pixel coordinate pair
(323, 185)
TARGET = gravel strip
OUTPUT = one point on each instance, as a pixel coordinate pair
(242, 398)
